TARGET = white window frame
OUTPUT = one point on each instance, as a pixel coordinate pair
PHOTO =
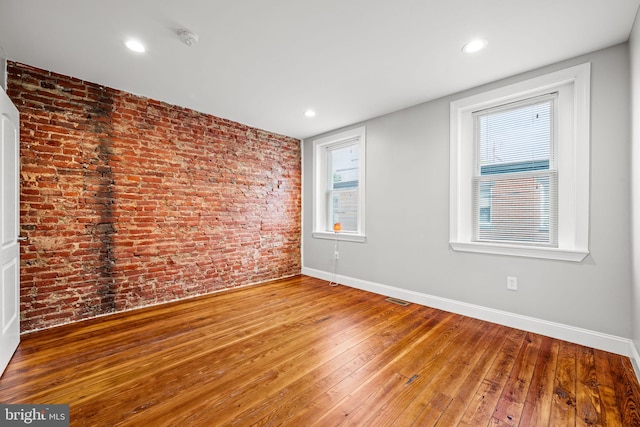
(573, 142)
(321, 148)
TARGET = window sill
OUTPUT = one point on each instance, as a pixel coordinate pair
(344, 237)
(574, 255)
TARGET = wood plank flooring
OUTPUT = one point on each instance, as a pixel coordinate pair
(298, 352)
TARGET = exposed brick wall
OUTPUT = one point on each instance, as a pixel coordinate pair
(129, 201)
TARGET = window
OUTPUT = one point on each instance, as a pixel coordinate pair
(339, 185)
(520, 168)
(514, 182)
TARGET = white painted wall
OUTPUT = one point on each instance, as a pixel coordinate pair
(407, 216)
(634, 49)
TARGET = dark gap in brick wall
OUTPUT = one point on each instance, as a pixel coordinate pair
(105, 197)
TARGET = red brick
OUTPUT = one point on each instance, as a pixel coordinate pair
(129, 201)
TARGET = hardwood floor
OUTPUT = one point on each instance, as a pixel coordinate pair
(298, 352)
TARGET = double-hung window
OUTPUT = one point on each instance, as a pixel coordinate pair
(339, 185)
(515, 177)
(519, 171)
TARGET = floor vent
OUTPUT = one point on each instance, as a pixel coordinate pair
(397, 301)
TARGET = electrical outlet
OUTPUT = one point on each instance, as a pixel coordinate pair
(512, 283)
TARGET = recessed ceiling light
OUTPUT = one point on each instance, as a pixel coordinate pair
(474, 46)
(309, 113)
(135, 45)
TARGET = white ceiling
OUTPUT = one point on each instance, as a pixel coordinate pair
(264, 62)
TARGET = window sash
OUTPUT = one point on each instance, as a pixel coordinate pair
(517, 208)
(342, 207)
(512, 136)
(515, 184)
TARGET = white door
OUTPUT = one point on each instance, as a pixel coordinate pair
(9, 227)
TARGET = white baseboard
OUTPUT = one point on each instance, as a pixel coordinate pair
(594, 339)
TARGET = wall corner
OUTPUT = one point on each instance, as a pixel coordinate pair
(3, 69)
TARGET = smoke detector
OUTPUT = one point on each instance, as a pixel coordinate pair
(188, 37)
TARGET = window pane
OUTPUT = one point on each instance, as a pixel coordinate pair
(516, 139)
(343, 185)
(344, 167)
(344, 209)
(517, 209)
(485, 199)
